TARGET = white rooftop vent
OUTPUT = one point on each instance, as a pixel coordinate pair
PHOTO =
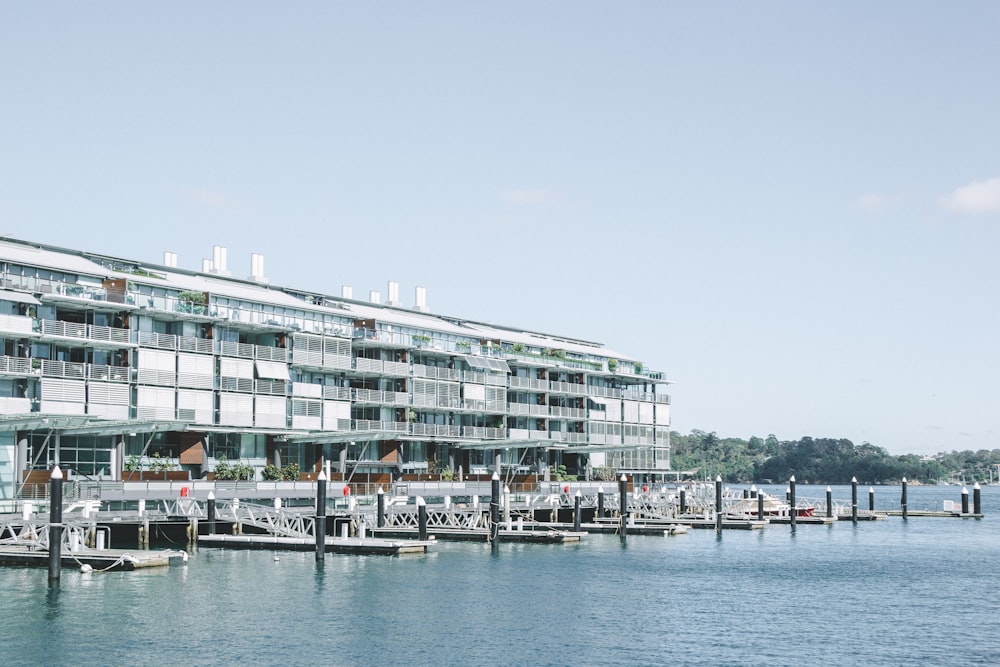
(206, 266)
(257, 268)
(393, 299)
(170, 259)
(420, 299)
(219, 261)
(375, 297)
(346, 292)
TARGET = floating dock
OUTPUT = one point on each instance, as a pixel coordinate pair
(337, 545)
(472, 535)
(931, 513)
(99, 559)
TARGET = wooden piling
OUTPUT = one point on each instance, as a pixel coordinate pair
(623, 506)
(854, 500)
(320, 527)
(791, 500)
(55, 525)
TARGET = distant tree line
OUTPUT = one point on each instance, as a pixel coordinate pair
(821, 461)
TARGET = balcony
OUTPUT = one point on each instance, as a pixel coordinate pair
(18, 366)
(94, 336)
(363, 365)
(20, 325)
(572, 413)
(395, 368)
(436, 372)
(369, 425)
(378, 397)
(108, 373)
(484, 432)
(436, 430)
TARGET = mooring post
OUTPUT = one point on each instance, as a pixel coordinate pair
(321, 515)
(495, 511)
(55, 524)
(718, 503)
(854, 499)
(623, 505)
(576, 511)
(977, 505)
(506, 506)
(871, 498)
(380, 508)
(753, 490)
(965, 500)
(829, 502)
(746, 493)
(902, 499)
(210, 512)
(684, 501)
(600, 502)
(760, 506)
(421, 519)
(788, 493)
(791, 500)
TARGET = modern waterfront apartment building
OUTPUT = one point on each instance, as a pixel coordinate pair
(109, 362)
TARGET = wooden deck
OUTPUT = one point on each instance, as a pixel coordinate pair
(99, 559)
(337, 545)
(480, 535)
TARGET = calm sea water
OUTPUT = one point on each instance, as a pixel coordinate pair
(922, 591)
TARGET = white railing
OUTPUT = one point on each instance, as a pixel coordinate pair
(21, 324)
(193, 344)
(395, 368)
(63, 369)
(158, 340)
(369, 365)
(231, 348)
(64, 329)
(334, 393)
(337, 361)
(268, 353)
(15, 365)
(110, 334)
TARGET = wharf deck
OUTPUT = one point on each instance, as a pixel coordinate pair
(465, 535)
(98, 559)
(804, 520)
(864, 516)
(694, 522)
(338, 545)
(931, 513)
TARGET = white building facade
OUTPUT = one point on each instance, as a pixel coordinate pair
(110, 365)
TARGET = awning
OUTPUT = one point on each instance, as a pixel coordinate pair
(18, 297)
(488, 364)
(272, 370)
(600, 402)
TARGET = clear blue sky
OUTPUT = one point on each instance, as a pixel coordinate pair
(793, 209)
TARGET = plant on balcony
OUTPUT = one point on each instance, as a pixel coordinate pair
(133, 463)
(271, 473)
(161, 464)
(226, 471)
(421, 340)
(463, 345)
(561, 476)
(448, 475)
(612, 364)
(638, 367)
(604, 473)
(190, 301)
(519, 348)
